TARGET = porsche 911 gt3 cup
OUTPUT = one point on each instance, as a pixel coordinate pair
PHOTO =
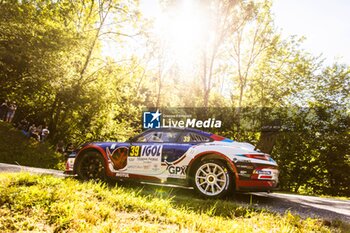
(213, 165)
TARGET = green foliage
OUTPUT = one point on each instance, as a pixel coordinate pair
(16, 148)
(45, 203)
(50, 64)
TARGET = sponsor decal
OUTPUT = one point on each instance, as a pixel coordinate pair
(176, 170)
(134, 151)
(244, 170)
(152, 151)
(244, 166)
(244, 173)
(262, 172)
(146, 151)
(117, 157)
(145, 159)
(119, 174)
(245, 161)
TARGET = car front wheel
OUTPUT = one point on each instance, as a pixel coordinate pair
(213, 179)
(91, 167)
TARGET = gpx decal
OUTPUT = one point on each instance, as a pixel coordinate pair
(176, 171)
(145, 159)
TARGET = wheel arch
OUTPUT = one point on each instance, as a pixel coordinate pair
(95, 149)
(212, 155)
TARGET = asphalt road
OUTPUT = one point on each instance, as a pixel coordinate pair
(4, 167)
(305, 206)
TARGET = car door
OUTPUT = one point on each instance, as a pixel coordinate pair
(144, 155)
(151, 150)
(172, 150)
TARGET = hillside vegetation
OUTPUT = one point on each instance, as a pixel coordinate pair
(48, 204)
(16, 148)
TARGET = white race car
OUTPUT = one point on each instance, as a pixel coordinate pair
(213, 165)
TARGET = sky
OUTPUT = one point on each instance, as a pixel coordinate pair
(324, 23)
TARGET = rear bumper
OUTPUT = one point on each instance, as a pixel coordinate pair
(257, 185)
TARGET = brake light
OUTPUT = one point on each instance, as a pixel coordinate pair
(258, 156)
(265, 177)
(70, 164)
(217, 137)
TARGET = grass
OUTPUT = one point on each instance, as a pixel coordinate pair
(49, 204)
(16, 148)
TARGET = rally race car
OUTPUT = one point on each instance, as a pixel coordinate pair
(213, 165)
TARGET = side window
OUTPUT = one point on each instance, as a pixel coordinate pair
(189, 137)
(162, 136)
(141, 139)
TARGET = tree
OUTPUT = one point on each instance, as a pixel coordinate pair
(226, 18)
(43, 45)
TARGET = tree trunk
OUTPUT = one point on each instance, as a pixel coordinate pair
(160, 85)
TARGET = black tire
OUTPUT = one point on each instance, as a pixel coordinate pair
(91, 167)
(213, 179)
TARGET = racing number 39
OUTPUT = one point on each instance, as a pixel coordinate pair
(134, 151)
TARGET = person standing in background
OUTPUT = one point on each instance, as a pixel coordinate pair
(44, 133)
(39, 130)
(33, 133)
(11, 112)
(3, 110)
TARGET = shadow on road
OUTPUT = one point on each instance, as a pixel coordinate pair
(305, 206)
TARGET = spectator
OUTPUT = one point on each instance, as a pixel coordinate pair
(33, 133)
(3, 110)
(11, 112)
(39, 129)
(44, 134)
(23, 125)
(32, 128)
(60, 147)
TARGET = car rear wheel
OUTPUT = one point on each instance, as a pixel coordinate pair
(91, 167)
(212, 179)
